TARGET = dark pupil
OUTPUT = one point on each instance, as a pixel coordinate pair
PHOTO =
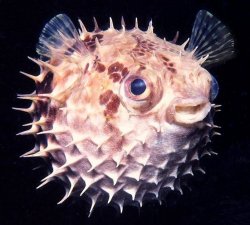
(138, 86)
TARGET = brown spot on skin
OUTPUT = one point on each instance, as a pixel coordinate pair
(142, 67)
(87, 38)
(147, 45)
(90, 45)
(165, 58)
(89, 41)
(141, 53)
(125, 71)
(116, 71)
(115, 77)
(99, 36)
(111, 101)
(104, 98)
(100, 67)
(115, 67)
(113, 105)
(86, 68)
(144, 46)
(173, 70)
(171, 64)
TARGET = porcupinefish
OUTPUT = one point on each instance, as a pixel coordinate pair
(122, 115)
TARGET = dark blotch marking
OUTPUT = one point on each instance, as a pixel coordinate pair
(100, 67)
(165, 59)
(115, 77)
(141, 53)
(168, 64)
(104, 98)
(89, 41)
(143, 46)
(142, 67)
(69, 51)
(113, 105)
(72, 49)
(111, 101)
(87, 38)
(99, 36)
(116, 71)
(171, 69)
(125, 71)
(115, 67)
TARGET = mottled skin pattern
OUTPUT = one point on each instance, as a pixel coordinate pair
(106, 142)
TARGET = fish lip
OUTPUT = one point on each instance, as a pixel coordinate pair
(191, 110)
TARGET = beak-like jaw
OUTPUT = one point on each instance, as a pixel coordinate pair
(191, 110)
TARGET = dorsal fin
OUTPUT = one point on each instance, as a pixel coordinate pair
(212, 38)
(58, 36)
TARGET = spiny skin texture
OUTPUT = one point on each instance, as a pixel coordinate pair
(112, 145)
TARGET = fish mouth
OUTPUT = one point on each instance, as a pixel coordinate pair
(189, 111)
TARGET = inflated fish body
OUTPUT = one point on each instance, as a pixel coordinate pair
(122, 115)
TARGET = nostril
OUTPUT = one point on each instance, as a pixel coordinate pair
(189, 113)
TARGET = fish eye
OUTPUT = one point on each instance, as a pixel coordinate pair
(140, 92)
(138, 86)
(214, 88)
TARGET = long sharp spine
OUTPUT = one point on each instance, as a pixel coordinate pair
(83, 28)
(175, 37)
(33, 130)
(183, 46)
(96, 28)
(32, 151)
(32, 77)
(54, 173)
(27, 110)
(123, 22)
(193, 51)
(136, 23)
(45, 64)
(150, 27)
(203, 59)
(111, 25)
(73, 182)
(93, 202)
(41, 121)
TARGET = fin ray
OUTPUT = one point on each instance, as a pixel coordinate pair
(57, 36)
(212, 38)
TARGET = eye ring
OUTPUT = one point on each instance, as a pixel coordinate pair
(145, 101)
(141, 88)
